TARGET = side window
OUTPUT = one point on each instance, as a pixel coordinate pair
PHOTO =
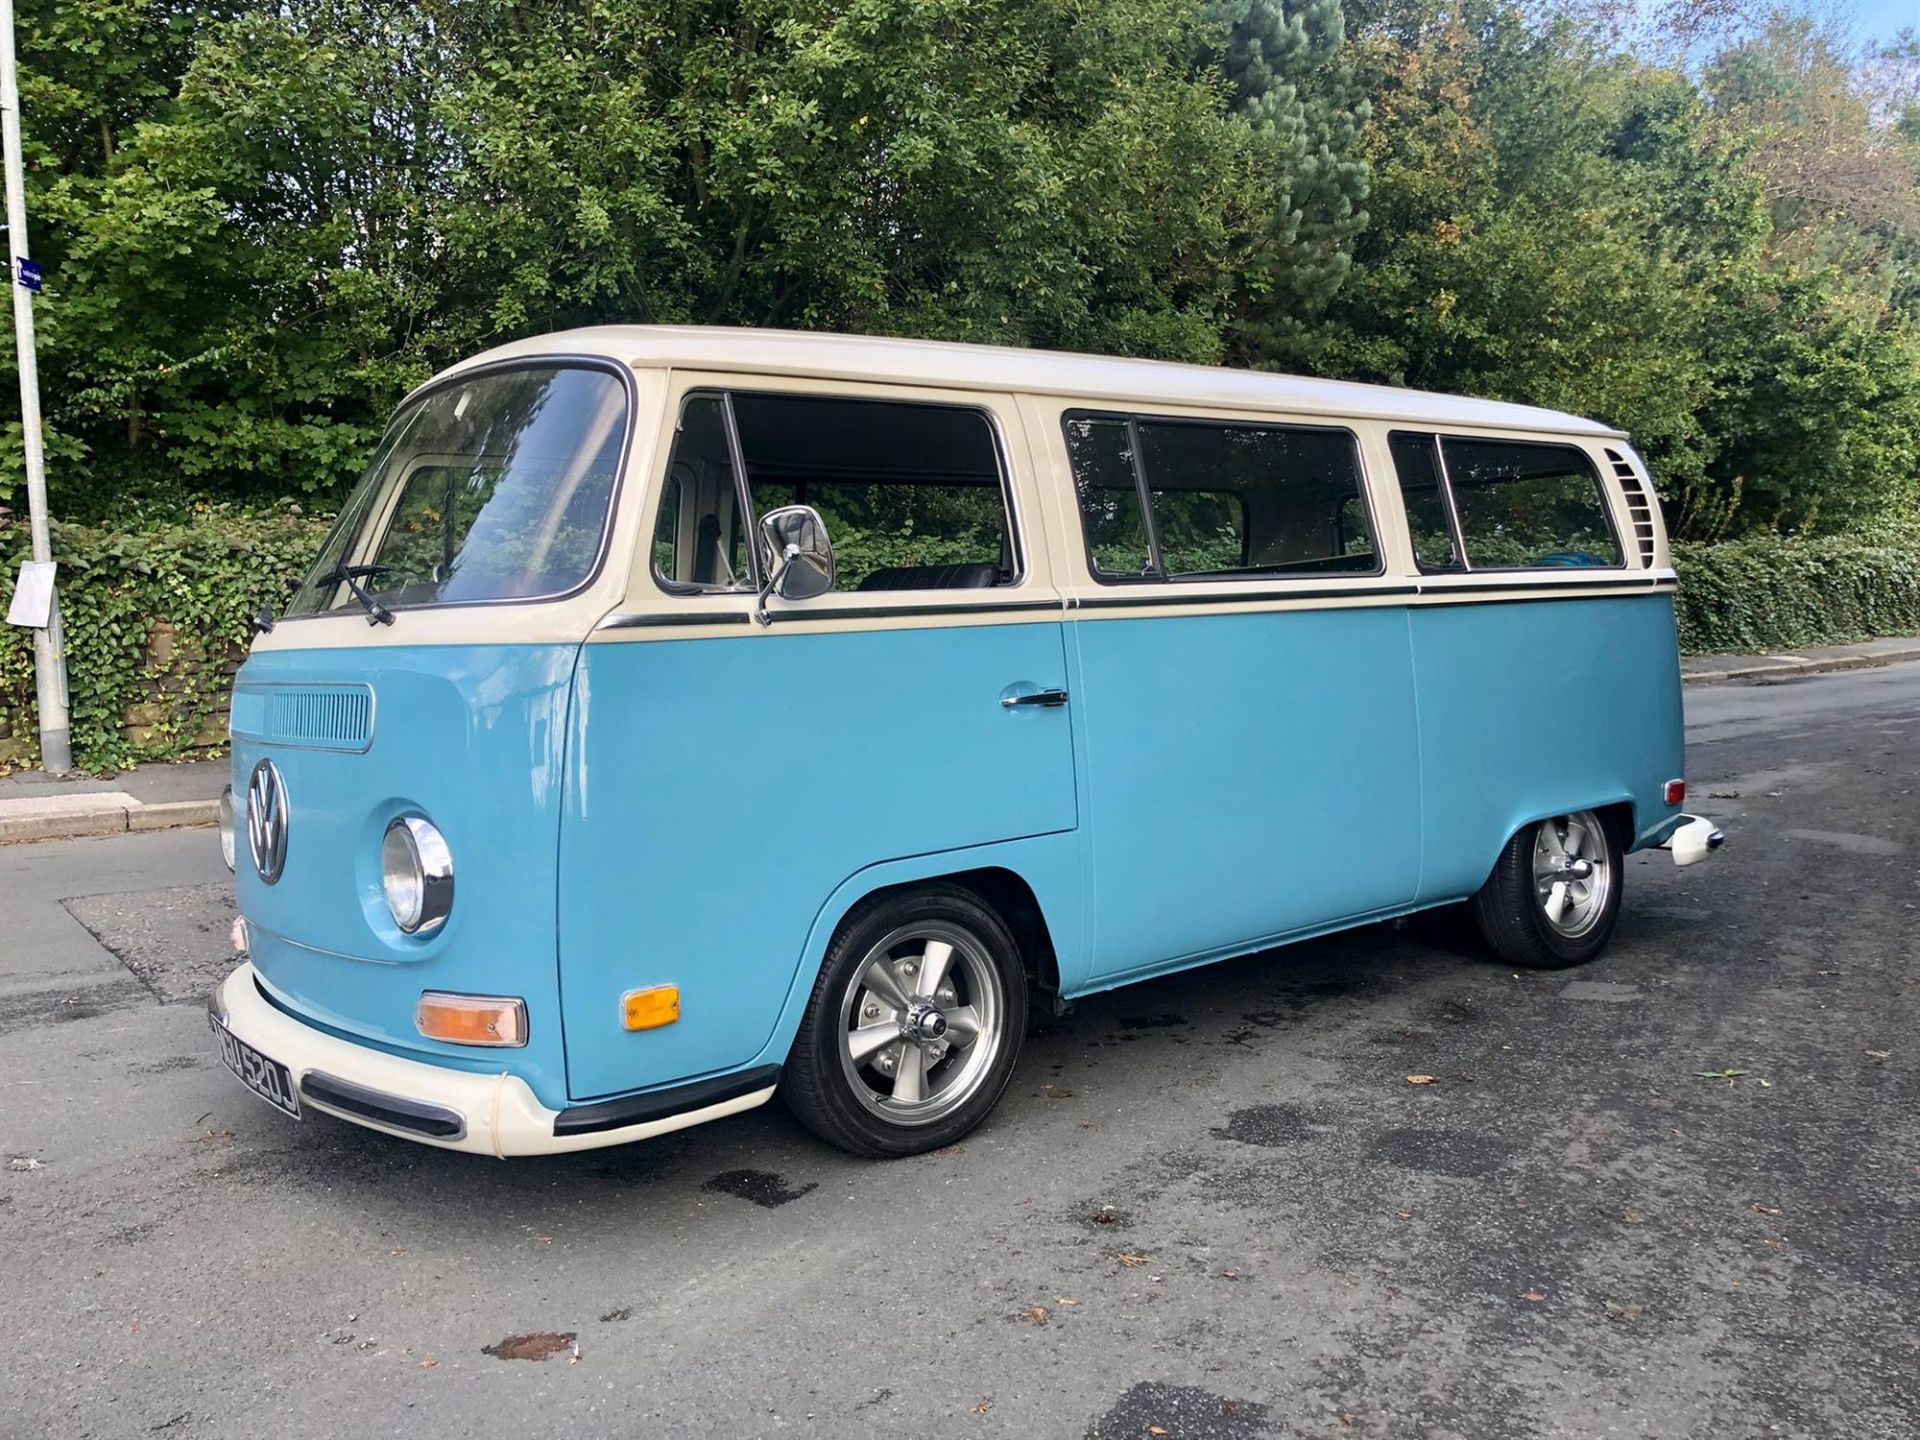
(698, 540)
(1220, 499)
(1416, 461)
(912, 494)
(1524, 505)
(1100, 450)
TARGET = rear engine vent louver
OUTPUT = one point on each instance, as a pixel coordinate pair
(1639, 505)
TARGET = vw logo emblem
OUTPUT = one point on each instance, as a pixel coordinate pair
(267, 820)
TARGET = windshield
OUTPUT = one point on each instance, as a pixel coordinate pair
(494, 488)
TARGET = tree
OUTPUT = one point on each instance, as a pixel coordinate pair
(340, 196)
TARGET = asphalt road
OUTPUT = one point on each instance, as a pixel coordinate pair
(1211, 1204)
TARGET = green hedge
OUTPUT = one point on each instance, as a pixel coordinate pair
(1754, 596)
(207, 576)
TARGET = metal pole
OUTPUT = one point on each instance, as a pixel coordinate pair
(49, 647)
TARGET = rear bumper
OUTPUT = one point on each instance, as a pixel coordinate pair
(1692, 840)
(496, 1115)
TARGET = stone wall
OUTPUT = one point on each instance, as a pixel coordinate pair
(178, 680)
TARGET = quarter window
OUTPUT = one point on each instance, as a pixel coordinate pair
(912, 494)
(1416, 460)
(1166, 499)
(1524, 505)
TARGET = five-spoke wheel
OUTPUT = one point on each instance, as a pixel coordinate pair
(914, 1024)
(921, 1024)
(1554, 894)
(1572, 872)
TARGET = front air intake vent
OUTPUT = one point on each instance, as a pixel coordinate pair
(1639, 505)
(315, 717)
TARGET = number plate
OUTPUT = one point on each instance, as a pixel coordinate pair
(268, 1079)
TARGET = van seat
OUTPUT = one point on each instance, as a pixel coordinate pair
(934, 577)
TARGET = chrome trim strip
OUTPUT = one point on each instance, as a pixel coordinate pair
(890, 612)
(1480, 593)
(1556, 588)
(1214, 597)
(620, 621)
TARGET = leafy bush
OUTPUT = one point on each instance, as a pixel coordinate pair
(1752, 596)
(208, 576)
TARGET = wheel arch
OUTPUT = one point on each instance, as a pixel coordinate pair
(1032, 884)
(1617, 813)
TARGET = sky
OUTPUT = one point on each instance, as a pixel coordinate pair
(1883, 19)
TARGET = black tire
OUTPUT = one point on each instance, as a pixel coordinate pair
(820, 1079)
(1512, 914)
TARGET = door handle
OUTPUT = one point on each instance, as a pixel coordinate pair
(1052, 699)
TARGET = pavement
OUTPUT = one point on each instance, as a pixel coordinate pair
(38, 806)
(1675, 1193)
(35, 806)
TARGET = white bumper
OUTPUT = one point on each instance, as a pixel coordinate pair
(499, 1115)
(1696, 838)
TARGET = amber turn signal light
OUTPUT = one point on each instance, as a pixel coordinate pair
(651, 1008)
(472, 1019)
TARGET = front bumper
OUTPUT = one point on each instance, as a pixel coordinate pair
(497, 1115)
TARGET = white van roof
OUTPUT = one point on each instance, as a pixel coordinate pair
(814, 355)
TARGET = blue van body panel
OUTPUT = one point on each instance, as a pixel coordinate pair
(1534, 708)
(473, 738)
(705, 812)
(1050, 865)
(1248, 776)
(720, 790)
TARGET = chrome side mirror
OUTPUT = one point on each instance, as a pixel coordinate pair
(797, 556)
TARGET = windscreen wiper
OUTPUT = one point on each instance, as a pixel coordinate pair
(377, 614)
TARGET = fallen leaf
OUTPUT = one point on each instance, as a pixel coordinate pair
(1625, 1314)
(1156, 1429)
(982, 1406)
(1422, 1080)
(1064, 1300)
(1534, 1295)
(1056, 1092)
(1404, 1214)
(536, 1346)
(1036, 1313)
(543, 1239)
(217, 1137)
(625, 1312)
(1766, 1209)
(1131, 1260)
(1347, 1417)
(1727, 1075)
(426, 1364)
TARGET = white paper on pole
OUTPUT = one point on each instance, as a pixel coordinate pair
(32, 595)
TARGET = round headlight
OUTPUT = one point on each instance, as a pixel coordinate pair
(226, 826)
(416, 869)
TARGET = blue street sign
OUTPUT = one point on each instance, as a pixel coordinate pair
(26, 273)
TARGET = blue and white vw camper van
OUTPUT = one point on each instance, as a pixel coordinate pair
(680, 716)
